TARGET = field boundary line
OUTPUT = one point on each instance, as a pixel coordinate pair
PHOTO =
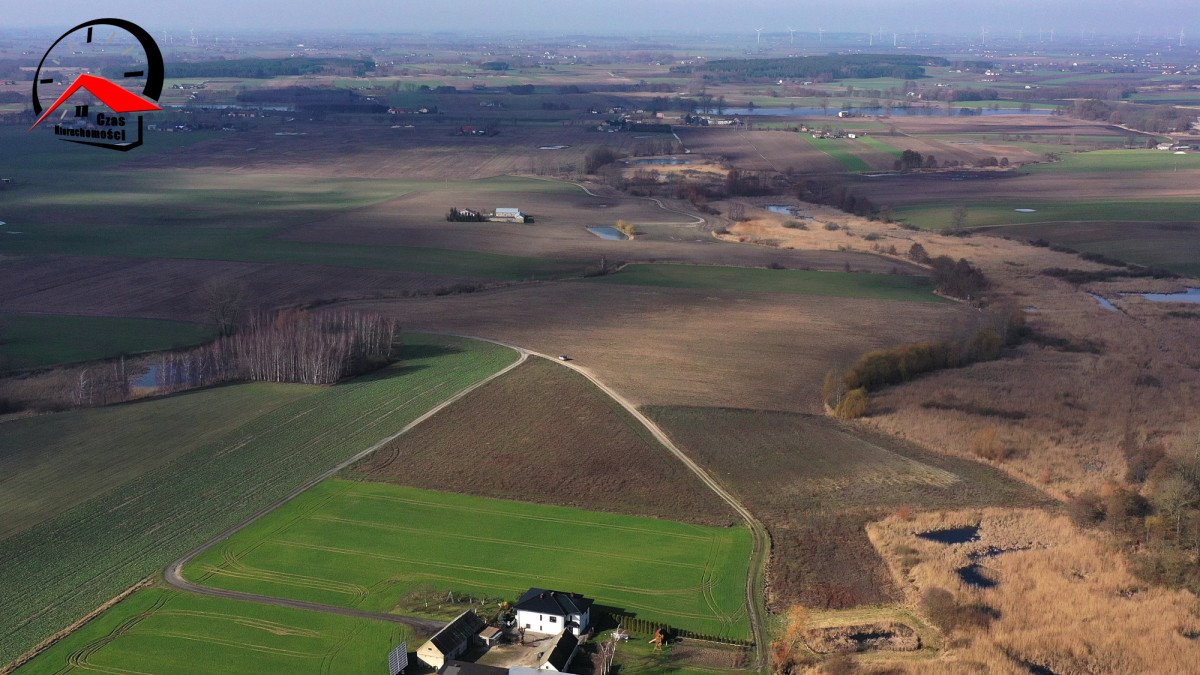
(761, 545)
(698, 220)
(54, 639)
(173, 574)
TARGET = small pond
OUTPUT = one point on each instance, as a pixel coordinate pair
(1104, 302)
(786, 210)
(607, 232)
(952, 535)
(1191, 295)
(972, 575)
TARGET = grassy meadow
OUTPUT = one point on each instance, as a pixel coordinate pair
(144, 513)
(160, 630)
(803, 282)
(840, 149)
(40, 340)
(374, 546)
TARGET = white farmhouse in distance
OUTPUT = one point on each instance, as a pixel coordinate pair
(552, 612)
(509, 215)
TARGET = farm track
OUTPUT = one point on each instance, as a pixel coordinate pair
(755, 606)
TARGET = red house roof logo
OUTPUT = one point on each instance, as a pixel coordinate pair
(118, 99)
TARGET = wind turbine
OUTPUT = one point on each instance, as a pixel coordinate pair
(791, 35)
(1180, 37)
(820, 35)
(1138, 37)
(894, 40)
(983, 36)
(759, 31)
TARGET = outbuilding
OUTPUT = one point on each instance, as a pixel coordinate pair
(451, 641)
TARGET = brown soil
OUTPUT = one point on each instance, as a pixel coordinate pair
(544, 434)
(671, 346)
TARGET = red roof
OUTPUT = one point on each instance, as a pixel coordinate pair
(119, 99)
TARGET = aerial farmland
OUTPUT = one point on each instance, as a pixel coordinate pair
(507, 349)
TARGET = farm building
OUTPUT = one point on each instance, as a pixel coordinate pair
(558, 657)
(552, 612)
(508, 215)
(451, 641)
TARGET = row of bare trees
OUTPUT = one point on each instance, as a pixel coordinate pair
(288, 346)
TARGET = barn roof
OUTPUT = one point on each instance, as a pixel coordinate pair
(562, 651)
(457, 632)
(543, 601)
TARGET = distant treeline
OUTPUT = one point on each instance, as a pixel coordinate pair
(265, 68)
(833, 67)
(314, 100)
(1157, 119)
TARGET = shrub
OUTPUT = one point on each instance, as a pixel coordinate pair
(795, 225)
(1086, 509)
(948, 615)
(958, 279)
(872, 236)
(918, 254)
(986, 444)
(832, 227)
(854, 405)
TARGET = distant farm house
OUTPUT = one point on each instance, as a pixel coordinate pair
(552, 612)
(508, 215)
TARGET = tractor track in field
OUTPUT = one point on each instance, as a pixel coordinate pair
(755, 607)
(174, 573)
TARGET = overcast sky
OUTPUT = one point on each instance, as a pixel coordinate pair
(627, 16)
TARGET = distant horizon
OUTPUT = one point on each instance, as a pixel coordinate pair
(624, 18)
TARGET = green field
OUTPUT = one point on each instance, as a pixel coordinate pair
(803, 282)
(39, 340)
(879, 145)
(1174, 246)
(1119, 161)
(989, 213)
(140, 520)
(159, 630)
(840, 149)
(370, 545)
(63, 202)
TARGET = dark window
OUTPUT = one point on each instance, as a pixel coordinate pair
(554, 619)
(528, 626)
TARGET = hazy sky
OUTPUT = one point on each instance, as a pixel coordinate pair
(627, 16)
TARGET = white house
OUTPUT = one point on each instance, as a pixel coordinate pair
(552, 612)
(509, 215)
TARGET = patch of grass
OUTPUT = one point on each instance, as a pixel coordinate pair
(159, 630)
(841, 150)
(39, 340)
(1174, 246)
(804, 282)
(990, 213)
(1119, 161)
(369, 544)
(63, 567)
(816, 484)
(872, 141)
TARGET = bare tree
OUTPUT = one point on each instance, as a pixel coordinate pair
(223, 303)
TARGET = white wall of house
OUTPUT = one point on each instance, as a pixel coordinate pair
(551, 624)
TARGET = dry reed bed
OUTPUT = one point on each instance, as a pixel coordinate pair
(1077, 405)
(1068, 602)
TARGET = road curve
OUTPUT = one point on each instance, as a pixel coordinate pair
(174, 573)
(755, 606)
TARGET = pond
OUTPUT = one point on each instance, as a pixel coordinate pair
(787, 210)
(147, 380)
(1191, 295)
(952, 535)
(937, 111)
(1104, 302)
(973, 576)
(659, 161)
(607, 232)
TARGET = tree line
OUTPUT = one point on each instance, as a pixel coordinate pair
(267, 68)
(841, 66)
